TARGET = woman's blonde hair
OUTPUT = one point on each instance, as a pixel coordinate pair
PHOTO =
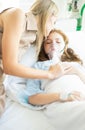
(43, 9)
(68, 54)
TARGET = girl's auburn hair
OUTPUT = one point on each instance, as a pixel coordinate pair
(68, 53)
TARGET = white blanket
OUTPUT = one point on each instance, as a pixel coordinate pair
(64, 84)
(68, 115)
(17, 117)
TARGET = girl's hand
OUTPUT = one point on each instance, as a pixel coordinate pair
(76, 96)
(73, 96)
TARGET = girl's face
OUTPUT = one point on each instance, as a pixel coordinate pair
(50, 23)
(54, 44)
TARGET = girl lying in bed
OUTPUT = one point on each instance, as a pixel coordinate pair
(69, 86)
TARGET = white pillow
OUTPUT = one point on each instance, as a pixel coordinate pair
(66, 83)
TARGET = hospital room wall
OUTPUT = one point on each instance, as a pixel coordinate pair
(64, 15)
(65, 21)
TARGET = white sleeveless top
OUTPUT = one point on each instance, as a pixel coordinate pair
(28, 35)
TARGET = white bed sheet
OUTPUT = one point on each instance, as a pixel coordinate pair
(17, 117)
(67, 116)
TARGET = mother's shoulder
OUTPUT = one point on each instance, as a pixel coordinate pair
(13, 16)
(12, 12)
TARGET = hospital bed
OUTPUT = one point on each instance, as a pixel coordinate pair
(19, 117)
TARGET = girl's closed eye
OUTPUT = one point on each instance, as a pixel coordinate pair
(58, 41)
(48, 41)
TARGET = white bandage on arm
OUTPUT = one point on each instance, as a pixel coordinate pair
(64, 96)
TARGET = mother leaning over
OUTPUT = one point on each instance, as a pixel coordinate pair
(30, 27)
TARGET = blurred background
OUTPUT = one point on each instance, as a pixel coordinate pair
(71, 12)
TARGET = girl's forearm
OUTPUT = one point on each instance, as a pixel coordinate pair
(42, 99)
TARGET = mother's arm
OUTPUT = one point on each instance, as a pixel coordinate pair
(13, 27)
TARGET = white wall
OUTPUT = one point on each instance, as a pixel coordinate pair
(65, 24)
(26, 4)
(8, 3)
(62, 6)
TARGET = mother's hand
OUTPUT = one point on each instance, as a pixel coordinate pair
(56, 70)
(60, 69)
